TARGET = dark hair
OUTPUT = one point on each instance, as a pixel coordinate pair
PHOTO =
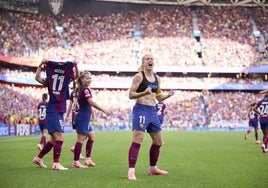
(44, 96)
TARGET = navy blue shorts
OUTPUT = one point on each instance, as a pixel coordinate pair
(253, 124)
(54, 122)
(83, 126)
(264, 124)
(42, 126)
(144, 117)
(161, 119)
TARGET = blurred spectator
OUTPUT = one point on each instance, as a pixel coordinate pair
(165, 32)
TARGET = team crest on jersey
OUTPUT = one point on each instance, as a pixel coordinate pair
(55, 6)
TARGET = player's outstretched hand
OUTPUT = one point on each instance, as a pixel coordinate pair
(108, 113)
(44, 61)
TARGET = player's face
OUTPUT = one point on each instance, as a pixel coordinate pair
(86, 80)
(148, 62)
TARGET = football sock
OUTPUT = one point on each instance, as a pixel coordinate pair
(130, 170)
(256, 136)
(154, 154)
(47, 147)
(43, 140)
(57, 151)
(133, 154)
(153, 168)
(89, 147)
(265, 141)
(77, 150)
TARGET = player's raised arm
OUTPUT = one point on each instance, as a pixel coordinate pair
(264, 91)
(38, 77)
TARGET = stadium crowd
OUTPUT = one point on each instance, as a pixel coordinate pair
(167, 81)
(19, 104)
(110, 40)
(166, 33)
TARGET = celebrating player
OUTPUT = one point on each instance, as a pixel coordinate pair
(72, 107)
(82, 119)
(58, 77)
(262, 108)
(253, 123)
(161, 111)
(145, 89)
(41, 107)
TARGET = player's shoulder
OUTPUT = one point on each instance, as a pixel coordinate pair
(86, 90)
(157, 76)
(138, 75)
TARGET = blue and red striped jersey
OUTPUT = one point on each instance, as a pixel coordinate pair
(58, 77)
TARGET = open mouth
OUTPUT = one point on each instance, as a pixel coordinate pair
(150, 64)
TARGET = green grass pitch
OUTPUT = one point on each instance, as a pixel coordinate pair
(193, 159)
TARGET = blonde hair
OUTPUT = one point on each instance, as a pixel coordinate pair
(81, 76)
(140, 68)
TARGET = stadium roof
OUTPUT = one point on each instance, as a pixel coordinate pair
(246, 3)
